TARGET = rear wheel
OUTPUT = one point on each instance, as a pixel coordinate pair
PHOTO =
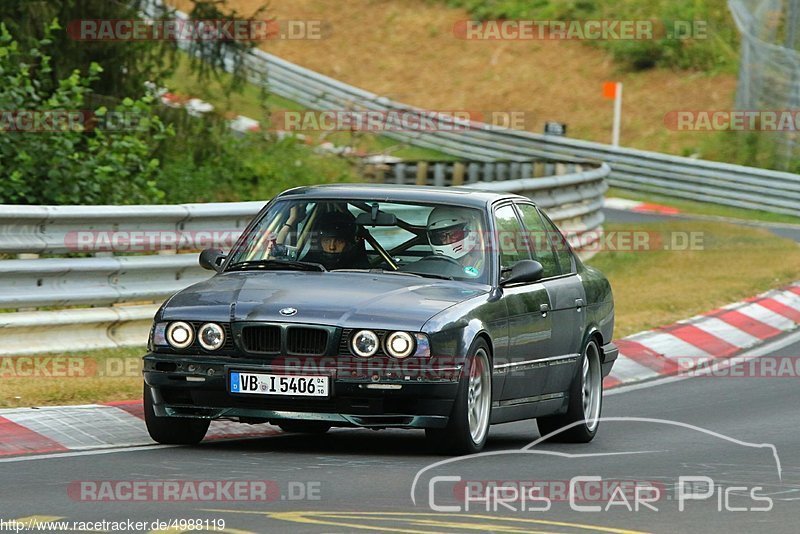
(304, 427)
(585, 402)
(172, 430)
(468, 427)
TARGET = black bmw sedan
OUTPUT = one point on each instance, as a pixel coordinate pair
(443, 309)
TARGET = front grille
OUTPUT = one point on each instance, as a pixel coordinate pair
(261, 339)
(306, 341)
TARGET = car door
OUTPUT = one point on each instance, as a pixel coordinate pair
(565, 291)
(529, 320)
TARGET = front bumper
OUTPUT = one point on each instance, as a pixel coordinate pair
(610, 354)
(372, 396)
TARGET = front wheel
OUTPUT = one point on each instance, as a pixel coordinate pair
(585, 402)
(172, 430)
(468, 427)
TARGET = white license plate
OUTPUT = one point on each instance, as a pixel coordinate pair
(290, 385)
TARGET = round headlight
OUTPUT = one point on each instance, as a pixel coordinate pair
(399, 345)
(180, 335)
(364, 343)
(211, 336)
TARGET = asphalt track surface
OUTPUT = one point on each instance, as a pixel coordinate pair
(789, 231)
(361, 480)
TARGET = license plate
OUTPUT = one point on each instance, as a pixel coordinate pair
(290, 385)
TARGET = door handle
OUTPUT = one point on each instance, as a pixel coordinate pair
(544, 308)
(578, 304)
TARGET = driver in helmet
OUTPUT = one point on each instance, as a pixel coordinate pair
(336, 245)
(453, 232)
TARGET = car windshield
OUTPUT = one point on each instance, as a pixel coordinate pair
(429, 240)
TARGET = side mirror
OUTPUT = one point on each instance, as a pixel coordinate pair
(524, 271)
(212, 259)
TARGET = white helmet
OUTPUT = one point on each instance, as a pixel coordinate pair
(450, 231)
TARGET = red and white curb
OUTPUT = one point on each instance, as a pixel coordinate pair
(53, 429)
(624, 204)
(716, 335)
(645, 356)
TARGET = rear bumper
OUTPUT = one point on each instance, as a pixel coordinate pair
(355, 399)
(610, 354)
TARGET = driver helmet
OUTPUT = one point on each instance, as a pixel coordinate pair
(336, 225)
(451, 231)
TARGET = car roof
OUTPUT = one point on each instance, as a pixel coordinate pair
(461, 196)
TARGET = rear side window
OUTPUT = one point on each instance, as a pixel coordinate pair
(539, 241)
(562, 248)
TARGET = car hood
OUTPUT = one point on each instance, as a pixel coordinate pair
(379, 301)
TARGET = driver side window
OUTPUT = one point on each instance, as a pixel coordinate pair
(509, 237)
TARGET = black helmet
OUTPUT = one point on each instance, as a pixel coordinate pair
(337, 224)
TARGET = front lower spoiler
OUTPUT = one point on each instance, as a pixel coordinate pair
(363, 421)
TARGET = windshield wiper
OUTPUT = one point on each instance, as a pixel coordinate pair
(277, 265)
(431, 275)
(376, 271)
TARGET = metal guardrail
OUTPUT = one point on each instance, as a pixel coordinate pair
(125, 290)
(721, 183)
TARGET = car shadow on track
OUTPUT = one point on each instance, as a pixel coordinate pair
(363, 441)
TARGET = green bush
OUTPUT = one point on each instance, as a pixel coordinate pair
(203, 160)
(70, 162)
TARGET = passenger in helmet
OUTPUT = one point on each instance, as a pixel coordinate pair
(455, 233)
(335, 244)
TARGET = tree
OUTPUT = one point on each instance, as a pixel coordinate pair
(128, 64)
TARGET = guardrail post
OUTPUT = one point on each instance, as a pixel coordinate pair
(474, 172)
(422, 173)
(438, 174)
(400, 173)
(502, 172)
(527, 171)
(458, 173)
(488, 172)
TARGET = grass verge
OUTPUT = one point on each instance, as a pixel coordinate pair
(658, 287)
(254, 102)
(651, 288)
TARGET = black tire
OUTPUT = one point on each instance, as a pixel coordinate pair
(457, 437)
(585, 426)
(304, 427)
(172, 430)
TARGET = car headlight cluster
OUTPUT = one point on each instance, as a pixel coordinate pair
(181, 335)
(365, 343)
(400, 345)
(211, 336)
